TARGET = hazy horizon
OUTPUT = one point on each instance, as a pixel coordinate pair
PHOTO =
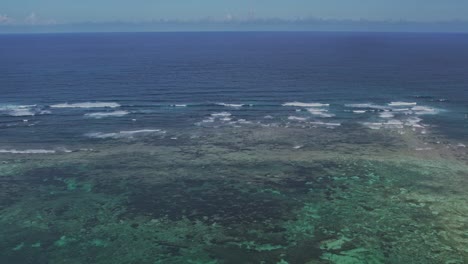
(143, 15)
(311, 24)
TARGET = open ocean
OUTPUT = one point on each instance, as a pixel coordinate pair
(255, 147)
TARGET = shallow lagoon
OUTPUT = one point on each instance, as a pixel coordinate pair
(249, 194)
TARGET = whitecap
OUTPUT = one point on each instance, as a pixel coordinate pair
(179, 105)
(125, 134)
(99, 115)
(325, 124)
(243, 121)
(367, 105)
(230, 105)
(422, 149)
(18, 110)
(373, 125)
(359, 111)
(208, 120)
(414, 122)
(392, 124)
(221, 114)
(297, 118)
(21, 112)
(87, 105)
(319, 112)
(221, 117)
(29, 151)
(424, 110)
(386, 115)
(299, 104)
(402, 103)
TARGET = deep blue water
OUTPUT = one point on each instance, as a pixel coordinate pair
(147, 72)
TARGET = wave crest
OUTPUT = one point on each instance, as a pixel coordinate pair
(125, 134)
(99, 115)
(87, 105)
(299, 104)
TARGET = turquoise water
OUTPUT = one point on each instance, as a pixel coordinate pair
(233, 148)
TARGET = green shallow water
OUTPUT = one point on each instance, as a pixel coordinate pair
(245, 195)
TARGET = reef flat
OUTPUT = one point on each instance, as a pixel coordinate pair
(250, 194)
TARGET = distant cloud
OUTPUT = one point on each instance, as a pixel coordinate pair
(33, 20)
(228, 17)
(230, 22)
(5, 20)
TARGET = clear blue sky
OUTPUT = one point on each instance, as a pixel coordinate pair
(65, 11)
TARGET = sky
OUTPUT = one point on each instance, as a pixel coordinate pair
(51, 12)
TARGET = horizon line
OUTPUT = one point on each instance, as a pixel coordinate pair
(237, 31)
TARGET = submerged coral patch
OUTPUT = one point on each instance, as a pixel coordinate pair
(211, 200)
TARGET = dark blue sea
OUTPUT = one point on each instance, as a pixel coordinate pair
(258, 147)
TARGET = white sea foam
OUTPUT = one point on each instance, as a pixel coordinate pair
(31, 151)
(19, 110)
(221, 114)
(424, 110)
(242, 121)
(208, 120)
(392, 124)
(414, 122)
(373, 125)
(325, 124)
(99, 115)
(222, 117)
(126, 134)
(297, 118)
(359, 111)
(422, 149)
(367, 105)
(87, 105)
(179, 105)
(319, 112)
(396, 115)
(402, 104)
(230, 105)
(401, 109)
(299, 104)
(386, 115)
